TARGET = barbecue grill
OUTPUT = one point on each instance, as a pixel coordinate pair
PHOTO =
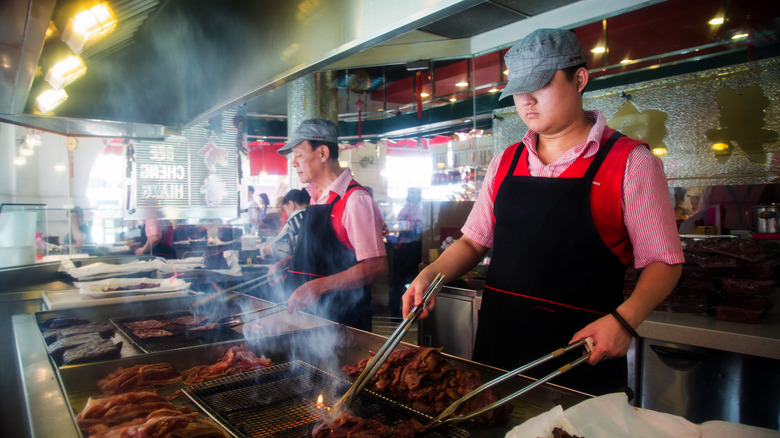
(181, 337)
(282, 401)
(53, 395)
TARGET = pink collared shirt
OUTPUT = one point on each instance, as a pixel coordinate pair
(359, 211)
(647, 209)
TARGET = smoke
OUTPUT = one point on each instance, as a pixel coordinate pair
(180, 64)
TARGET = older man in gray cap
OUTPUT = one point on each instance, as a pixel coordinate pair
(564, 211)
(340, 251)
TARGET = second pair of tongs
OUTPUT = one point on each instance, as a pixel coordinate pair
(238, 318)
(255, 282)
(379, 358)
(444, 416)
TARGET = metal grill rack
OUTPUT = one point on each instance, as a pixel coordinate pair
(281, 401)
(181, 337)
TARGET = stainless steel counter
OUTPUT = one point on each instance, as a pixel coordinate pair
(53, 395)
(762, 339)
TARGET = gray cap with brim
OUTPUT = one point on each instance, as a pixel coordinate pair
(533, 61)
(319, 130)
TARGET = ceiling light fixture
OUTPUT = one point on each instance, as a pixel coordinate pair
(32, 140)
(89, 25)
(626, 61)
(740, 36)
(424, 94)
(60, 166)
(598, 49)
(20, 161)
(452, 99)
(716, 21)
(462, 84)
(25, 151)
(66, 71)
(50, 99)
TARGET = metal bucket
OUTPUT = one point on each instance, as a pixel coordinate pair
(765, 218)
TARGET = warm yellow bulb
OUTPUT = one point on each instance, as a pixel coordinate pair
(88, 25)
(598, 49)
(452, 99)
(740, 36)
(720, 146)
(50, 99)
(659, 152)
(493, 90)
(423, 94)
(66, 71)
(462, 84)
(716, 21)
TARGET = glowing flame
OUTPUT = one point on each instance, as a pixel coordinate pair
(321, 404)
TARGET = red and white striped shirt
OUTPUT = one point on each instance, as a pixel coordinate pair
(361, 218)
(647, 210)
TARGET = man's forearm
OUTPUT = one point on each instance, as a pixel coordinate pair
(362, 274)
(655, 283)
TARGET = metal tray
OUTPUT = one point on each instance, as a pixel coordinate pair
(281, 401)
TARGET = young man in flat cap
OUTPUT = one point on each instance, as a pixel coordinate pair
(565, 211)
(340, 251)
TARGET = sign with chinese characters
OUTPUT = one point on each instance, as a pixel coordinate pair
(160, 176)
(192, 175)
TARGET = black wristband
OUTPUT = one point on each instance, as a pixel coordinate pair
(625, 324)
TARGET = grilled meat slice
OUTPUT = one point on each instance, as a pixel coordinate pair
(56, 348)
(61, 322)
(146, 324)
(139, 376)
(102, 349)
(188, 320)
(104, 329)
(235, 361)
(151, 333)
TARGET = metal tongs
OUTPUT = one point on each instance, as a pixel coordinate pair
(379, 358)
(255, 282)
(237, 319)
(440, 419)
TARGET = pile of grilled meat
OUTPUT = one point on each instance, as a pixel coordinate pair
(425, 380)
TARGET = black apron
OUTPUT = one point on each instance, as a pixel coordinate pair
(550, 275)
(320, 253)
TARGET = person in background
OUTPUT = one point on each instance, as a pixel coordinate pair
(340, 250)
(407, 253)
(253, 210)
(294, 204)
(159, 239)
(565, 211)
(264, 207)
(79, 233)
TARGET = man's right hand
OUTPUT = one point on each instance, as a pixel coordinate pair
(276, 270)
(414, 295)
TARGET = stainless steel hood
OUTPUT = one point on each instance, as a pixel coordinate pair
(193, 58)
(183, 61)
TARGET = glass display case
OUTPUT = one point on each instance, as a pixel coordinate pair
(22, 231)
